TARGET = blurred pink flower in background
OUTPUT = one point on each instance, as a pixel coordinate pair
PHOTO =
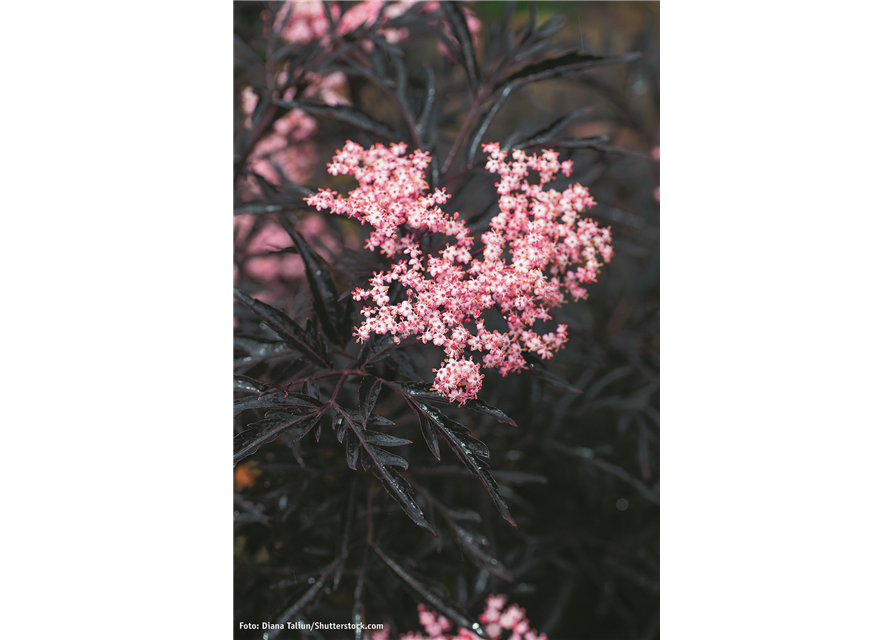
(306, 21)
(254, 253)
(495, 619)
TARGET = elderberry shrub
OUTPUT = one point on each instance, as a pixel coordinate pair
(446, 325)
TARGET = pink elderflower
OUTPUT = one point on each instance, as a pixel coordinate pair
(494, 620)
(538, 250)
(305, 21)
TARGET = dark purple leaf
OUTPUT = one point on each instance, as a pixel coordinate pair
(397, 487)
(285, 327)
(485, 123)
(423, 124)
(374, 347)
(348, 115)
(385, 440)
(385, 457)
(322, 286)
(378, 461)
(366, 460)
(244, 383)
(404, 364)
(482, 407)
(374, 419)
(274, 424)
(473, 544)
(430, 435)
(551, 26)
(258, 348)
(429, 598)
(348, 318)
(275, 399)
(465, 447)
(416, 389)
(453, 12)
(548, 133)
(283, 371)
(563, 65)
(538, 369)
(353, 451)
(340, 426)
(440, 418)
(370, 387)
(425, 391)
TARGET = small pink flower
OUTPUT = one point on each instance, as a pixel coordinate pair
(436, 626)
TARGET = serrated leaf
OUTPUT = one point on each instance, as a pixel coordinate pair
(378, 460)
(274, 424)
(427, 430)
(285, 327)
(463, 445)
(370, 387)
(322, 287)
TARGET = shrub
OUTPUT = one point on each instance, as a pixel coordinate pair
(437, 278)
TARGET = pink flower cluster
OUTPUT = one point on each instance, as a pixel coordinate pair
(537, 249)
(494, 619)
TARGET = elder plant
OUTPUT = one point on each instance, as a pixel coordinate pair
(375, 293)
